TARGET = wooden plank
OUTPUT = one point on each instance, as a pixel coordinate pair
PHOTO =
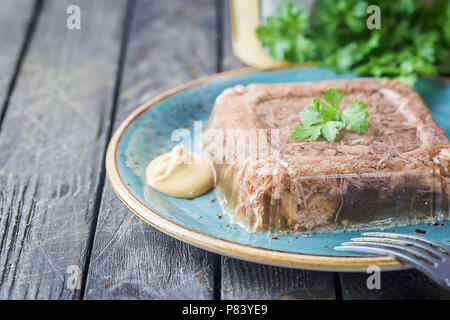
(15, 17)
(170, 43)
(396, 285)
(52, 144)
(245, 280)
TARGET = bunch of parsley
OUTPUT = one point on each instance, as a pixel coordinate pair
(414, 37)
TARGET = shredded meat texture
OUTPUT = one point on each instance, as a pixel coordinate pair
(273, 182)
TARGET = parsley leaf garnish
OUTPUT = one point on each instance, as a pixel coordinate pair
(354, 117)
(327, 120)
(333, 97)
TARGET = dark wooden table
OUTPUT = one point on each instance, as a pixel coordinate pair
(63, 232)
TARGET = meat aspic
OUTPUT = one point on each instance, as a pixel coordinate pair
(397, 173)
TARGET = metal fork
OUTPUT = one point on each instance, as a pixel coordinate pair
(429, 256)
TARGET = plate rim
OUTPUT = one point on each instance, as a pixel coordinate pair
(221, 246)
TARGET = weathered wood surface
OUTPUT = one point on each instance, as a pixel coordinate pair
(245, 280)
(52, 143)
(15, 19)
(396, 285)
(170, 42)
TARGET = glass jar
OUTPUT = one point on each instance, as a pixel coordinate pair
(246, 16)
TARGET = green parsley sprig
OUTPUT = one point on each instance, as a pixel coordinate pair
(327, 120)
(414, 37)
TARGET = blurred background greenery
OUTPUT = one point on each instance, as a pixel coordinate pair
(414, 37)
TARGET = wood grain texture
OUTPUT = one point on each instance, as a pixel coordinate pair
(396, 285)
(52, 144)
(15, 17)
(245, 280)
(170, 43)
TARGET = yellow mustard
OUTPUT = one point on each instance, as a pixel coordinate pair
(180, 174)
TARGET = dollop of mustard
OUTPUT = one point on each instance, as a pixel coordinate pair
(180, 174)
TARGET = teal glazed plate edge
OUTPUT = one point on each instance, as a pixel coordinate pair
(157, 126)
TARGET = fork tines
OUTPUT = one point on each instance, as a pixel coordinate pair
(427, 255)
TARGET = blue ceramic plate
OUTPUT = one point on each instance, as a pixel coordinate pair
(148, 131)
